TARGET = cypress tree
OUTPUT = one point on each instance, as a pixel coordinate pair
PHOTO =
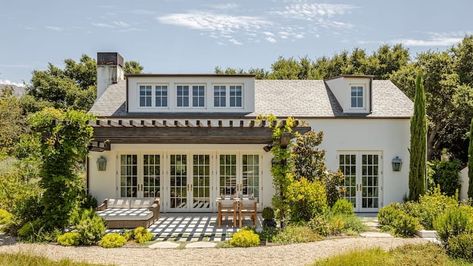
(418, 150)
(470, 162)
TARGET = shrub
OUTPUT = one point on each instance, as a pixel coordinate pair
(431, 205)
(447, 176)
(336, 224)
(112, 240)
(320, 225)
(453, 222)
(461, 246)
(142, 235)
(343, 206)
(69, 239)
(128, 235)
(405, 225)
(388, 214)
(296, 234)
(268, 233)
(306, 199)
(352, 224)
(89, 202)
(268, 217)
(5, 217)
(333, 186)
(245, 238)
(91, 228)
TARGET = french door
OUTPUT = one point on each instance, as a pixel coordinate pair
(239, 175)
(140, 175)
(363, 178)
(189, 182)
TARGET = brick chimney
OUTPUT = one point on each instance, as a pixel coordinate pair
(109, 70)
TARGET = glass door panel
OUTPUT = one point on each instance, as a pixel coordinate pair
(128, 175)
(178, 181)
(228, 175)
(200, 182)
(347, 164)
(250, 176)
(370, 181)
(151, 175)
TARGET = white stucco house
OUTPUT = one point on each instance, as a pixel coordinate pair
(189, 138)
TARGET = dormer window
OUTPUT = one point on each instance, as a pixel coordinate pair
(198, 96)
(145, 95)
(235, 96)
(161, 96)
(220, 96)
(183, 96)
(357, 97)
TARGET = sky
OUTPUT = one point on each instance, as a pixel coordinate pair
(195, 36)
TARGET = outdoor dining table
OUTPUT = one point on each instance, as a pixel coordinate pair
(238, 207)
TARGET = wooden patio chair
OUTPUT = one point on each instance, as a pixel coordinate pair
(247, 207)
(226, 207)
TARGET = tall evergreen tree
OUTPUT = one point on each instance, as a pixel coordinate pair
(418, 150)
(470, 163)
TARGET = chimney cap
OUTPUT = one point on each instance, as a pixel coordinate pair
(109, 59)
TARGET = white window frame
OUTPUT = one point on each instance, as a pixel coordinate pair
(198, 96)
(191, 95)
(227, 95)
(145, 96)
(155, 95)
(363, 96)
(230, 96)
(220, 97)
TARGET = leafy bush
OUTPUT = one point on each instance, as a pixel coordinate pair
(405, 225)
(112, 240)
(461, 246)
(142, 235)
(306, 199)
(447, 176)
(296, 234)
(333, 182)
(453, 222)
(91, 228)
(5, 217)
(431, 205)
(388, 214)
(128, 235)
(320, 225)
(268, 233)
(245, 238)
(69, 239)
(353, 224)
(268, 217)
(343, 206)
(88, 202)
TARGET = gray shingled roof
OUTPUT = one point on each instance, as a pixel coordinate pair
(298, 98)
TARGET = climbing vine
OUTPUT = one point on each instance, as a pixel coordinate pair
(282, 168)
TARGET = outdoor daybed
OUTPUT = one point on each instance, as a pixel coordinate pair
(129, 213)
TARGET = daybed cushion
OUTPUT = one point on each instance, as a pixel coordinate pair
(125, 214)
(118, 203)
(141, 203)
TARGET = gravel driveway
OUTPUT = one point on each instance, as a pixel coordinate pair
(297, 254)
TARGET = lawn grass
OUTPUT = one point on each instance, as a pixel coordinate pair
(23, 259)
(421, 255)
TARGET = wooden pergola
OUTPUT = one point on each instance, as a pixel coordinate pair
(108, 131)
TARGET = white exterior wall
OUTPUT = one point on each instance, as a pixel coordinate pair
(248, 90)
(389, 137)
(464, 182)
(106, 76)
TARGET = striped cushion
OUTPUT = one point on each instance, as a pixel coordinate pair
(125, 214)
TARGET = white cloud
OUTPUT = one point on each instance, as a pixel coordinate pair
(321, 14)
(270, 39)
(434, 39)
(224, 6)
(112, 25)
(54, 28)
(218, 25)
(9, 82)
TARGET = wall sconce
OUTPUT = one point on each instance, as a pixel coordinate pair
(268, 147)
(102, 163)
(397, 163)
(285, 139)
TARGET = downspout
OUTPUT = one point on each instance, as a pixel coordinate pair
(371, 95)
(87, 174)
